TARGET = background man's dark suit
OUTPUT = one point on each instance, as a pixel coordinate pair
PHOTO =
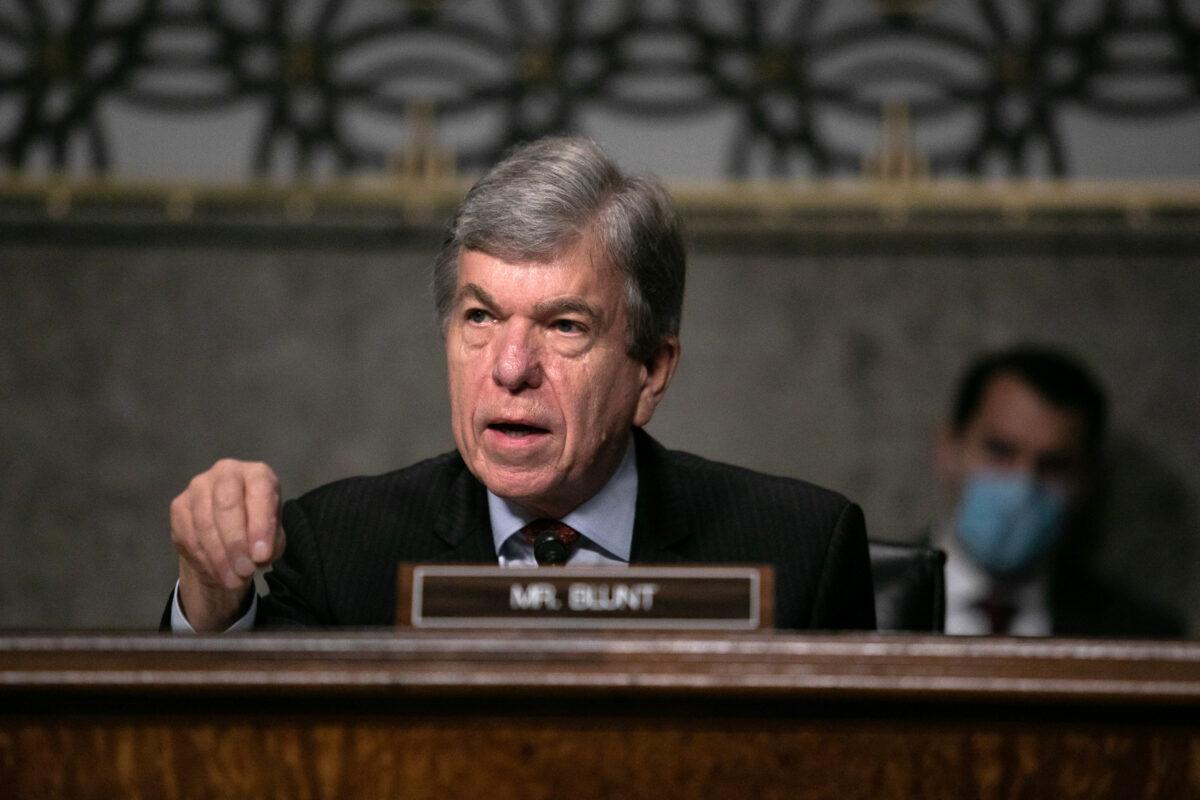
(346, 539)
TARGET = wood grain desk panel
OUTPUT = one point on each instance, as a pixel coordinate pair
(534, 715)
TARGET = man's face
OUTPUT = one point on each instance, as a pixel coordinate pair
(542, 391)
(1015, 430)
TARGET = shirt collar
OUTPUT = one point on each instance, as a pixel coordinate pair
(967, 584)
(606, 519)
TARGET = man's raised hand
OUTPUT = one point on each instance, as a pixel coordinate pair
(224, 526)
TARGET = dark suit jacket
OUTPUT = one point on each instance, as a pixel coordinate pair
(1084, 605)
(346, 540)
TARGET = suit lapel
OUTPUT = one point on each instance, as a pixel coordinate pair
(661, 521)
(463, 525)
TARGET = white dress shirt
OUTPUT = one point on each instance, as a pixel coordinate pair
(967, 585)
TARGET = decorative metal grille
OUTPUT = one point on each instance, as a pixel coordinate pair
(996, 75)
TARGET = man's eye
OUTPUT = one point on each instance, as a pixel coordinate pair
(999, 449)
(566, 326)
(477, 316)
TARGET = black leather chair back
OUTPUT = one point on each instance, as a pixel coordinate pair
(910, 587)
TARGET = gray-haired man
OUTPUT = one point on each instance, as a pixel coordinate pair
(559, 288)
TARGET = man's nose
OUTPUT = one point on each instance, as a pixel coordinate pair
(517, 364)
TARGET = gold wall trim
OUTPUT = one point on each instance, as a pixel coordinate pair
(716, 206)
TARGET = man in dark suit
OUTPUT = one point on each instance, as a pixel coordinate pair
(559, 289)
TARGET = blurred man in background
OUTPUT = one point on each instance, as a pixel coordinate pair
(1020, 461)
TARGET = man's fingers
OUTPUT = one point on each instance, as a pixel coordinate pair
(183, 534)
(229, 517)
(208, 537)
(262, 514)
(226, 524)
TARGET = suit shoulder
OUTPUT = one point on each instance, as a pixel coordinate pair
(731, 482)
(1087, 605)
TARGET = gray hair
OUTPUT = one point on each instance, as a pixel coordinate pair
(544, 198)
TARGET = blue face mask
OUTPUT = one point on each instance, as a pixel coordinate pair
(1007, 521)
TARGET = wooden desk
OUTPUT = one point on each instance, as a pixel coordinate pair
(343, 715)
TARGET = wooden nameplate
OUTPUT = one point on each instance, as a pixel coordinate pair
(646, 597)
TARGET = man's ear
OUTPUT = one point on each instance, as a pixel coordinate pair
(948, 454)
(657, 372)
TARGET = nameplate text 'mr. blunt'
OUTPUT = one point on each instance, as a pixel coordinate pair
(614, 598)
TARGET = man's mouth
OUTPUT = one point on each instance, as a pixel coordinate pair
(516, 430)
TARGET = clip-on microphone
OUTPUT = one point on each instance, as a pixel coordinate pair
(549, 550)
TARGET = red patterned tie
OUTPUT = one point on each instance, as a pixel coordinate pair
(1000, 611)
(553, 542)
